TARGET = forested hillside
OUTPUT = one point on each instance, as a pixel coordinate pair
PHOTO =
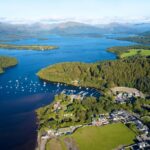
(131, 72)
(137, 39)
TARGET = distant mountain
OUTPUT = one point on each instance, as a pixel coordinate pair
(142, 34)
(126, 28)
(10, 32)
(74, 28)
(71, 28)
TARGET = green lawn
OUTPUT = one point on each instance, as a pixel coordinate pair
(133, 52)
(145, 52)
(105, 138)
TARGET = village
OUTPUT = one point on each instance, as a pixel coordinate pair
(125, 94)
(142, 140)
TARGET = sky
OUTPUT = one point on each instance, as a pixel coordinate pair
(89, 10)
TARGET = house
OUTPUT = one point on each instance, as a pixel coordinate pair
(51, 132)
(123, 97)
(68, 115)
(45, 137)
(121, 115)
(142, 145)
(103, 119)
(57, 106)
(75, 82)
(76, 97)
(96, 123)
(67, 130)
(141, 127)
(114, 116)
(139, 124)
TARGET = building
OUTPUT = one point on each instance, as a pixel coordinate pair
(75, 82)
(57, 106)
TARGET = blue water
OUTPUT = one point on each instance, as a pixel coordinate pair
(21, 92)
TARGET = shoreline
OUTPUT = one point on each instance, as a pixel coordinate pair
(69, 84)
(40, 144)
(42, 141)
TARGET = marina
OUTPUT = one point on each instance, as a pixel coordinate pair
(25, 85)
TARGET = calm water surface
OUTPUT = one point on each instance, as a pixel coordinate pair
(21, 92)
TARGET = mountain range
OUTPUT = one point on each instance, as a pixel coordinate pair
(69, 28)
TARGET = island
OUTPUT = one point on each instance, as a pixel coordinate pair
(6, 62)
(28, 47)
(128, 51)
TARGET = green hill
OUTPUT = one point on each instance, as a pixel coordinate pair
(131, 72)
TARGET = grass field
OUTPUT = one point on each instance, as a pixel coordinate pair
(133, 52)
(104, 138)
(55, 144)
(97, 138)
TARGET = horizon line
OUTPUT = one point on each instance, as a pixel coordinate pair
(94, 21)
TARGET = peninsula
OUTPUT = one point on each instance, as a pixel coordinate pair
(131, 72)
(67, 116)
(128, 51)
(28, 47)
(6, 62)
(68, 121)
(142, 39)
(123, 105)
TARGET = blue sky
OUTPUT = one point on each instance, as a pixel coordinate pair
(88, 9)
